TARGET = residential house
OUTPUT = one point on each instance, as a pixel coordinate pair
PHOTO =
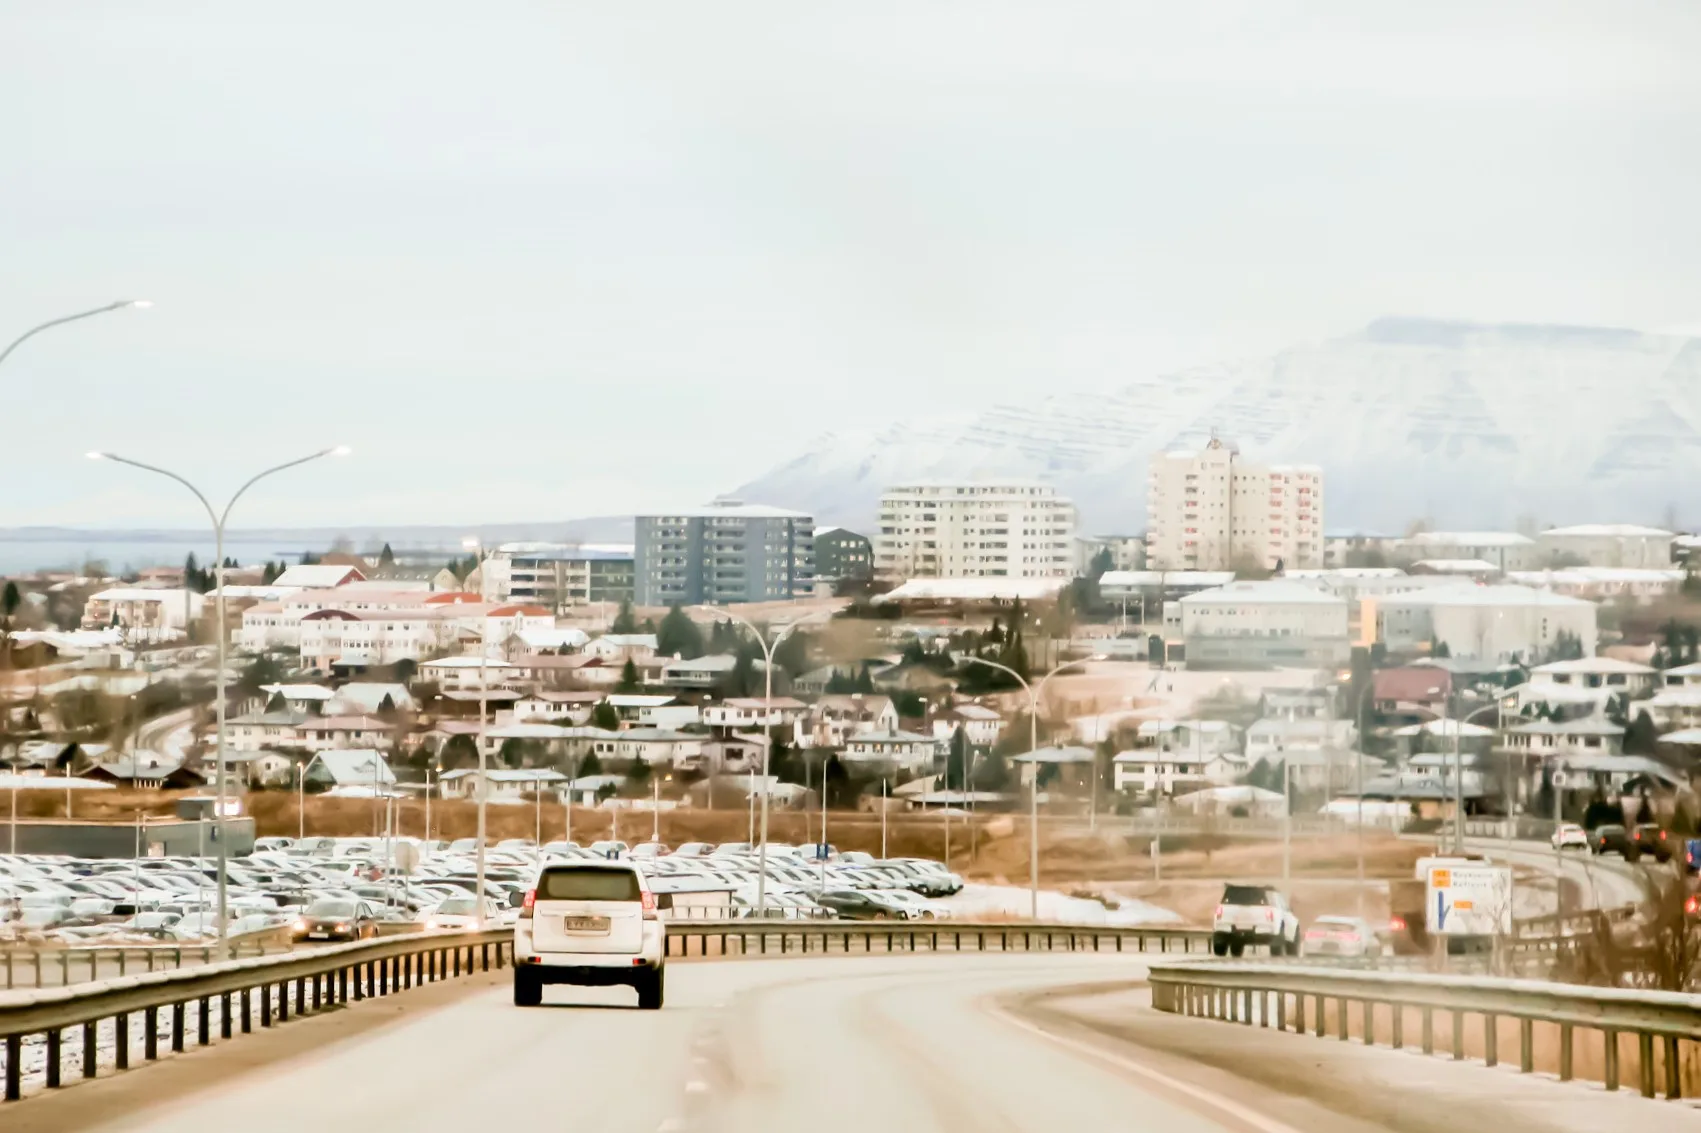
(620, 646)
(1607, 673)
(318, 576)
(320, 733)
(657, 747)
(1682, 676)
(981, 725)
(1193, 737)
(501, 785)
(146, 615)
(1155, 771)
(558, 640)
(466, 672)
(1506, 550)
(751, 712)
(629, 706)
(367, 698)
(1546, 739)
(350, 771)
(835, 717)
(734, 755)
(1314, 750)
(262, 731)
(702, 672)
(146, 770)
(1604, 584)
(1297, 704)
(1413, 691)
(549, 704)
(890, 751)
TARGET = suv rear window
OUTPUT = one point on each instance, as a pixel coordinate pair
(588, 885)
(1246, 895)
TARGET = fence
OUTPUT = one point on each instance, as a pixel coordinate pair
(235, 993)
(1650, 1031)
(755, 937)
(57, 967)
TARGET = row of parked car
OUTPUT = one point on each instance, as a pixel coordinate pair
(324, 889)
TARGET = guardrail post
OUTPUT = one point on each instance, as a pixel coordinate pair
(1369, 1022)
(1610, 1061)
(318, 1001)
(1299, 1013)
(265, 1005)
(1491, 1040)
(177, 1027)
(1428, 1031)
(55, 1053)
(1674, 1070)
(204, 1022)
(65, 967)
(1281, 1011)
(150, 1033)
(1322, 1022)
(1645, 1062)
(484, 950)
(457, 960)
(503, 948)
(121, 1041)
(14, 1067)
(283, 1001)
(1398, 1030)
(1565, 1039)
(1458, 1036)
(91, 1060)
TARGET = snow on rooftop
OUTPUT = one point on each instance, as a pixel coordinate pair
(1610, 531)
(974, 589)
(1272, 590)
(1471, 539)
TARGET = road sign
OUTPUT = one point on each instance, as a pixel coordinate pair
(1469, 900)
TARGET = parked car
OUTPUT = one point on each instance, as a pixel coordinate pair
(1614, 839)
(1254, 914)
(860, 905)
(460, 913)
(1569, 836)
(1651, 838)
(694, 850)
(1342, 936)
(336, 919)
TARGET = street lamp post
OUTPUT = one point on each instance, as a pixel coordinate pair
(219, 519)
(1033, 745)
(768, 648)
(483, 711)
(35, 330)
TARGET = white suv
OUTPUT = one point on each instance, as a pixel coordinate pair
(590, 923)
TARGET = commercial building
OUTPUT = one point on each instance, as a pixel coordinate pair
(842, 554)
(1493, 623)
(1504, 550)
(727, 552)
(1209, 509)
(1608, 545)
(558, 576)
(1257, 624)
(146, 614)
(1013, 529)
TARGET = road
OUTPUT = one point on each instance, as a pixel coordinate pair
(945, 1044)
(1605, 882)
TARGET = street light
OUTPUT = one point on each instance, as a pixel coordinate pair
(1033, 746)
(472, 542)
(768, 648)
(219, 520)
(33, 331)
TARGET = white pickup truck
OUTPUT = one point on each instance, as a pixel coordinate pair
(1254, 914)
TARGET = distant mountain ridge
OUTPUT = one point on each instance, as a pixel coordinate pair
(1468, 425)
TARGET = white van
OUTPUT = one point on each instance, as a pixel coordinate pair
(591, 923)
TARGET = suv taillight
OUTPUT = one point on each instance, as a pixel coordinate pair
(649, 905)
(526, 908)
(1219, 912)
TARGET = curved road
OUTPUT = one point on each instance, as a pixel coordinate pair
(918, 1044)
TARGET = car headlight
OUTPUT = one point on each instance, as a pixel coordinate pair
(301, 926)
(430, 924)
(342, 928)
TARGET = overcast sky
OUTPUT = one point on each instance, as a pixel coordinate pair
(551, 259)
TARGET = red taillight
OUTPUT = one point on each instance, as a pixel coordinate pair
(526, 908)
(649, 905)
(1693, 904)
(1219, 912)
(1397, 924)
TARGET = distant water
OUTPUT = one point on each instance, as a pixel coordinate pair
(123, 556)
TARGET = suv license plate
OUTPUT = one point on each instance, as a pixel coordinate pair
(584, 924)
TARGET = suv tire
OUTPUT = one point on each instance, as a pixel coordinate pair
(651, 990)
(1237, 949)
(1219, 946)
(528, 989)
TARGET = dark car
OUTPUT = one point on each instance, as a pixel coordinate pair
(1614, 839)
(1692, 854)
(850, 905)
(1651, 839)
(337, 919)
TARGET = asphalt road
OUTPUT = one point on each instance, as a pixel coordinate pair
(903, 1045)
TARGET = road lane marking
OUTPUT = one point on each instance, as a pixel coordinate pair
(1240, 1113)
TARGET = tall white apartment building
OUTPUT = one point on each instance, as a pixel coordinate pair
(1207, 509)
(975, 530)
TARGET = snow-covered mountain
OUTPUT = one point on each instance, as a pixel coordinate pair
(1466, 425)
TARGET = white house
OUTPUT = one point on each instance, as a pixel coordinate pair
(835, 717)
(893, 750)
(349, 768)
(324, 733)
(1193, 737)
(701, 672)
(1547, 738)
(317, 576)
(1154, 770)
(1603, 584)
(531, 642)
(1492, 623)
(261, 731)
(330, 638)
(1607, 673)
(1277, 622)
(145, 614)
(1506, 550)
(620, 646)
(501, 786)
(657, 747)
(466, 672)
(749, 712)
(1312, 749)
(1609, 544)
(981, 725)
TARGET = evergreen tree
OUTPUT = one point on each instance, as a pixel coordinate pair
(590, 765)
(913, 653)
(629, 680)
(513, 752)
(605, 716)
(743, 679)
(386, 558)
(840, 684)
(865, 680)
(458, 752)
(991, 772)
(909, 704)
(638, 775)
(624, 621)
(679, 636)
(957, 759)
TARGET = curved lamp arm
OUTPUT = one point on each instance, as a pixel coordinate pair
(49, 324)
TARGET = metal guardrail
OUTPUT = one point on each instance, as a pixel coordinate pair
(82, 963)
(759, 937)
(241, 990)
(1243, 993)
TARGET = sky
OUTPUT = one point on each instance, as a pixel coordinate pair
(540, 260)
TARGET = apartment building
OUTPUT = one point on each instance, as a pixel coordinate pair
(146, 614)
(729, 551)
(1256, 624)
(975, 530)
(1609, 545)
(558, 576)
(842, 554)
(1208, 509)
